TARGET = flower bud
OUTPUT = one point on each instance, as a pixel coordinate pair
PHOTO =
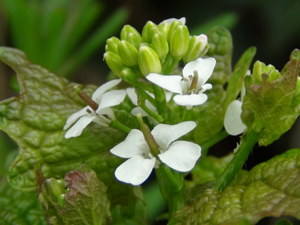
(260, 68)
(114, 62)
(172, 28)
(179, 41)
(164, 27)
(134, 40)
(160, 45)
(274, 75)
(148, 61)
(128, 53)
(196, 47)
(54, 188)
(111, 45)
(147, 31)
(129, 30)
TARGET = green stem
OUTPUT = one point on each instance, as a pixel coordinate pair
(166, 63)
(212, 141)
(238, 160)
(169, 69)
(120, 126)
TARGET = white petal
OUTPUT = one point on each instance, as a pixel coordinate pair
(232, 121)
(132, 95)
(103, 88)
(164, 134)
(190, 100)
(111, 98)
(168, 96)
(106, 111)
(134, 144)
(138, 110)
(206, 87)
(205, 68)
(170, 21)
(78, 127)
(135, 170)
(181, 155)
(75, 116)
(169, 82)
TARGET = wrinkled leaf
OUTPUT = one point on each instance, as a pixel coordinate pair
(20, 208)
(269, 106)
(220, 43)
(85, 201)
(269, 189)
(35, 120)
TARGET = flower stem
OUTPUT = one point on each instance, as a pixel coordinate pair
(120, 126)
(238, 160)
(207, 144)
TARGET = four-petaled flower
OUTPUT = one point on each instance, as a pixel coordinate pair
(102, 116)
(189, 87)
(178, 155)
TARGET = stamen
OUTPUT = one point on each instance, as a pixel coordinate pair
(194, 81)
(86, 98)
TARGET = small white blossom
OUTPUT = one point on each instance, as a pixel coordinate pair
(181, 85)
(102, 116)
(178, 155)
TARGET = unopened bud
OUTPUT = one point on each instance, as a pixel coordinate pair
(54, 188)
(160, 45)
(164, 27)
(131, 35)
(147, 31)
(148, 61)
(179, 41)
(111, 45)
(128, 53)
(172, 28)
(259, 69)
(114, 62)
(197, 45)
(274, 75)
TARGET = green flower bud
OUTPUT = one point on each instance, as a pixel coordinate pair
(179, 41)
(148, 61)
(197, 45)
(54, 188)
(61, 200)
(111, 45)
(164, 27)
(160, 45)
(172, 28)
(147, 31)
(128, 53)
(130, 34)
(260, 68)
(114, 62)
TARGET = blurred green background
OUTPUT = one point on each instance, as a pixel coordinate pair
(68, 38)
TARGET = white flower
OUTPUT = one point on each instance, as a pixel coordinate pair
(171, 20)
(178, 155)
(103, 115)
(181, 85)
(232, 121)
(134, 99)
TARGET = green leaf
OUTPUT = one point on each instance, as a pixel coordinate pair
(269, 189)
(20, 208)
(269, 106)
(35, 121)
(85, 202)
(236, 80)
(220, 43)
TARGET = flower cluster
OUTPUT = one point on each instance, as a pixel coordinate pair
(157, 51)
